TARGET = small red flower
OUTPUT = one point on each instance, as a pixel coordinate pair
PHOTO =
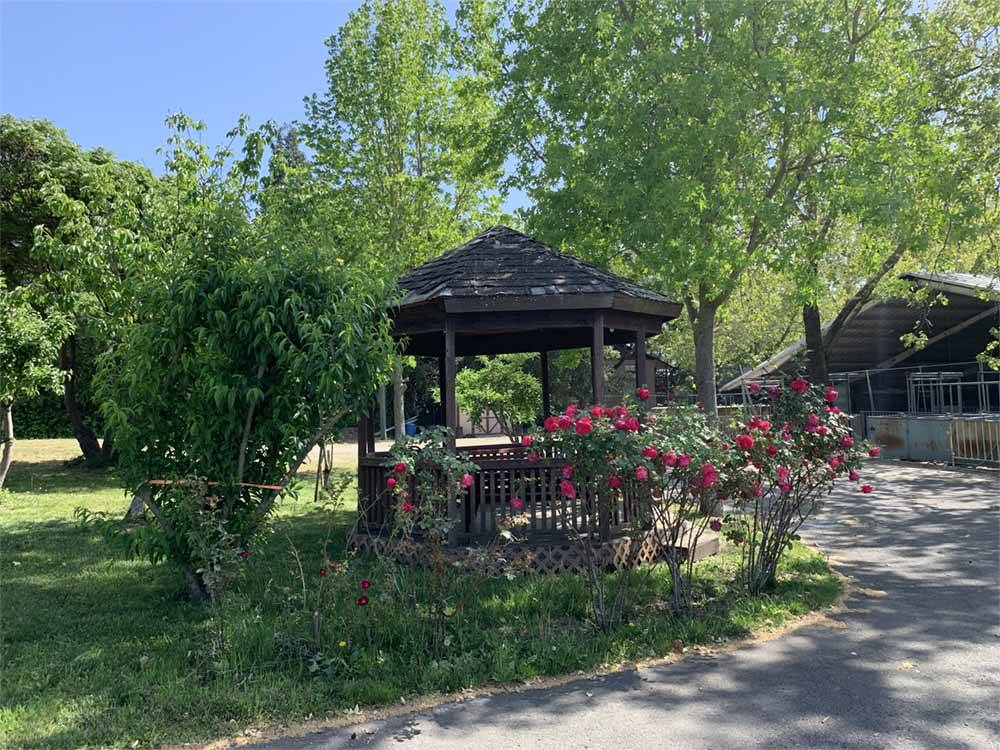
(407, 507)
(245, 554)
(669, 458)
(615, 482)
(362, 601)
(709, 476)
(715, 524)
(365, 584)
(650, 452)
(830, 395)
(400, 467)
(745, 442)
(875, 452)
(641, 473)
(551, 424)
(565, 422)
(583, 426)
(772, 450)
(516, 503)
(533, 458)
(755, 388)
(684, 461)
(853, 475)
(642, 393)
(527, 440)
(322, 572)
(467, 480)
(390, 482)
(799, 385)
(867, 489)
(567, 489)
(567, 471)
(847, 441)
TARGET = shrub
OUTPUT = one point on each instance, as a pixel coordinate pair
(502, 386)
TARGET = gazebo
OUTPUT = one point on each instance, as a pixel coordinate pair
(505, 292)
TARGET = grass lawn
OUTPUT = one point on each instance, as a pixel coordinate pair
(99, 652)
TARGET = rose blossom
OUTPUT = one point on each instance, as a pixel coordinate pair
(847, 441)
(565, 422)
(650, 452)
(799, 385)
(567, 489)
(583, 426)
(715, 524)
(642, 393)
(551, 424)
(527, 440)
(615, 482)
(407, 507)
(875, 452)
(571, 410)
(516, 503)
(641, 473)
(596, 412)
(772, 450)
(669, 458)
(709, 476)
(744, 442)
(755, 388)
(567, 472)
(390, 482)
(632, 423)
(467, 480)
(867, 489)
(853, 475)
(830, 395)
(684, 461)
(245, 554)
(365, 584)
(362, 601)
(621, 424)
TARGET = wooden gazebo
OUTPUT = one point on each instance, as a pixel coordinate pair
(505, 292)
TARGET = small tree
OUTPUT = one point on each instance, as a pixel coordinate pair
(29, 349)
(502, 386)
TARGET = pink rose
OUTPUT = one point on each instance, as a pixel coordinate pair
(641, 473)
(875, 452)
(390, 482)
(407, 507)
(567, 489)
(621, 424)
(853, 475)
(650, 452)
(785, 487)
(516, 503)
(781, 474)
(527, 440)
(830, 395)
(567, 472)
(669, 458)
(467, 480)
(867, 489)
(615, 482)
(755, 388)
(684, 461)
(709, 476)
(642, 393)
(744, 442)
(799, 385)
(847, 441)
(571, 410)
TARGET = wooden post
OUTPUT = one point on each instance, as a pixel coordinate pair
(363, 436)
(597, 359)
(370, 433)
(451, 421)
(546, 398)
(640, 358)
(442, 376)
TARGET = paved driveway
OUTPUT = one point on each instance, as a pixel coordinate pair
(913, 662)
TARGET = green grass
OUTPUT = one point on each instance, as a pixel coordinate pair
(105, 653)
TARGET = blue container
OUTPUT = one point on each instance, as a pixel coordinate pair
(411, 428)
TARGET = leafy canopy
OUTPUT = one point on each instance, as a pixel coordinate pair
(503, 386)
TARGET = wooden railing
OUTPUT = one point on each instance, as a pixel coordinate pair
(504, 473)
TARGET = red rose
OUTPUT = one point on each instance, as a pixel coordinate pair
(365, 584)
(632, 423)
(684, 461)
(847, 441)
(527, 440)
(650, 452)
(362, 601)
(772, 450)
(407, 507)
(641, 473)
(853, 476)
(551, 424)
(669, 458)
(621, 424)
(467, 480)
(322, 572)
(399, 468)
(565, 422)
(745, 442)
(516, 503)
(642, 393)
(596, 412)
(830, 395)
(875, 452)
(571, 410)
(799, 385)
(755, 388)
(567, 472)
(583, 426)
(708, 475)
(390, 482)
(773, 392)
(567, 489)
(725, 446)
(867, 489)
(615, 482)
(245, 554)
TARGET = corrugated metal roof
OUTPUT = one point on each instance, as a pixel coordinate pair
(972, 284)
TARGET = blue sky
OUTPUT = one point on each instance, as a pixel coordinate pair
(108, 73)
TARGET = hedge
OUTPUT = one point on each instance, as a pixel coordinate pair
(41, 417)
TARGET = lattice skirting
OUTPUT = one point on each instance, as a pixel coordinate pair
(556, 556)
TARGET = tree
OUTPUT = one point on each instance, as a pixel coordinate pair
(29, 344)
(396, 133)
(70, 228)
(249, 346)
(671, 139)
(500, 385)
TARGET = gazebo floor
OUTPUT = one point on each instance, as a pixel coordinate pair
(549, 552)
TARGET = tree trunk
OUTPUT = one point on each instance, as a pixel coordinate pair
(8, 443)
(398, 389)
(815, 349)
(108, 448)
(85, 436)
(197, 590)
(703, 326)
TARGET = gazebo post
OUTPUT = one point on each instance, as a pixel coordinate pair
(442, 376)
(597, 359)
(546, 398)
(451, 419)
(640, 358)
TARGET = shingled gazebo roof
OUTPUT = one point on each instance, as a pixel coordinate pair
(503, 269)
